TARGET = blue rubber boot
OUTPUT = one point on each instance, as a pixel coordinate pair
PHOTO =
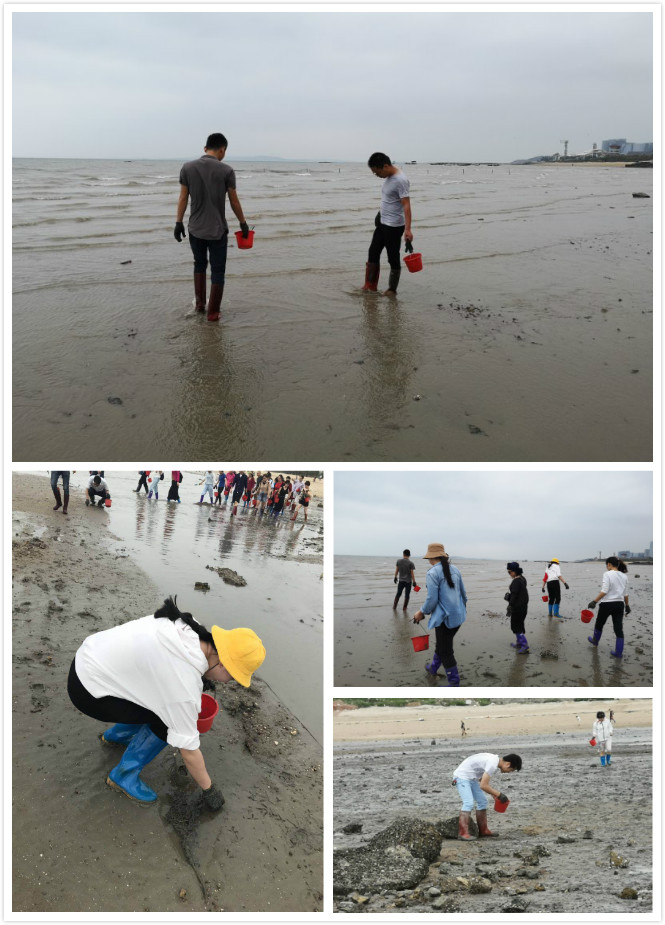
(125, 775)
(433, 666)
(602, 760)
(524, 645)
(549, 609)
(156, 496)
(517, 644)
(453, 676)
(120, 734)
(608, 760)
(150, 494)
(556, 610)
(618, 650)
(595, 639)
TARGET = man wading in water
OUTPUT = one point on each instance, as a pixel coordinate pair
(208, 181)
(392, 221)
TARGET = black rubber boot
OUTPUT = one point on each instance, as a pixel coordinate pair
(216, 293)
(64, 507)
(393, 280)
(372, 271)
(200, 291)
(58, 499)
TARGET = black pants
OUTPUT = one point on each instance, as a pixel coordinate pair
(96, 493)
(111, 709)
(173, 492)
(406, 587)
(143, 483)
(607, 609)
(554, 591)
(444, 645)
(390, 238)
(216, 250)
(517, 621)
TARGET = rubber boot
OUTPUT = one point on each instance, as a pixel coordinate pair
(483, 830)
(595, 639)
(463, 833)
(156, 495)
(125, 775)
(618, 650)
(608, 760)
(393, 281)
(216, 293)
(549, 609)
(433, 666)
(516, 644)
(100, 503)
(58, 498)
(556, 610)
(372, 271)
(65, 505)
(602, 760)
(200, 291)
(453, 676)
(395, 602)
(201, 498)
(524, 645)
(150, 494)
(120, 734)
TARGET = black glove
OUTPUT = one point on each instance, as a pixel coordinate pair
(506, 596)
(244, 227)
(408, 247)
(502, 798)
(179, 232)
(566, 586)
(395, 579)
(213, 799)
(377, 220)
(509, 611)
(591, 605)
(208, 685)
(627, 609)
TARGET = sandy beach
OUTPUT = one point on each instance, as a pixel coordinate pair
(78, 846)
(576, 838)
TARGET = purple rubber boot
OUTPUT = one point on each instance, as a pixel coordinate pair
(595, 639)
(618, 651)
(434, 665)
(453, 676)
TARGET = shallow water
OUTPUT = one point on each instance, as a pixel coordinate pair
(536, 286)
(373, 642)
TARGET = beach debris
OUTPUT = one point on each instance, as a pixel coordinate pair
(114, 400)
(201, 586)
(641, 196)
(547, 653)
(474, 429)
(228, 576)
(123, 263)
(416, 397)
(352, 828)
(616, 860)
(628, 893)
(183, 892)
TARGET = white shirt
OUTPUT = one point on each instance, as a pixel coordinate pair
(209, 479)
(614, 585)
(474, 767)
(602, 730)
(154, 663)
(102, 485)
(553, 572)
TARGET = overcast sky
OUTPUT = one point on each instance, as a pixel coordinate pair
(493, 515)
(332, 86)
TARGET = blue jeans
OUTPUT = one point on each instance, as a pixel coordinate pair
(216, 250)
(469, 790)
(65, 480)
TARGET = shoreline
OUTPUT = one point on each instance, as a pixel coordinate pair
(83, 848)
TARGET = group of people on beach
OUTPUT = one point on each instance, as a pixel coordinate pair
(206, 182)
(445, 606)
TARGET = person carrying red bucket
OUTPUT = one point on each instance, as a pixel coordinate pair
(518, 604)
(472, 779)
(446, 608)
(553, 579)
(602, 734)
(614, 603)
(392, 221)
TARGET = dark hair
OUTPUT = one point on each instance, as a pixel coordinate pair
(617, 563)
(514, 760)
(378, 160)
(445, 565)
(97, 479)
(600, 715)
(550, 564)
(407, 552)
(216, 141)
(170, 611)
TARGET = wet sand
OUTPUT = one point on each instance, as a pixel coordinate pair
(373, 642)
(562, 792)
(78, 846)
(537, 282)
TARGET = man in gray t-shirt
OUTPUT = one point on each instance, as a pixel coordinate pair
(393, 220)
(208, 182)
(404, 577)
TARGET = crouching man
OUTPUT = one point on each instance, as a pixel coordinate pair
(472, 779)
(97, 488)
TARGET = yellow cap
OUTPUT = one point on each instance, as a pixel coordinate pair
(240, 651)
(555, 560)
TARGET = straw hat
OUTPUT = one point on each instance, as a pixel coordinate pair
(240, 651)
(434, 551)
(555, 560)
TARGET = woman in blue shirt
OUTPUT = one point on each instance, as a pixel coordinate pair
(446, 608)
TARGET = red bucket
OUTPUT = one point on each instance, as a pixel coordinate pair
(420, 643)
(546, 597)
(108, 502)
(414, 262)
(592, 742)
(245, 243)
(587, 616)
(501, 807)
(209, 710)
(416, 587)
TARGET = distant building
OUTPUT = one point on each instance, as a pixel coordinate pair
(621, 146)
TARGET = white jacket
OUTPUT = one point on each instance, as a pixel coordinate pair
(602, 730)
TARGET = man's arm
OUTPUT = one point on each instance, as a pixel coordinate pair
(234, 202)
(487, 787)
(406, 202)
(182, 203)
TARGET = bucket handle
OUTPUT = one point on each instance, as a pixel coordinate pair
(420, 627)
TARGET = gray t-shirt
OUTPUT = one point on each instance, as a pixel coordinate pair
(393, 190)
(207, 180)
(404, 567)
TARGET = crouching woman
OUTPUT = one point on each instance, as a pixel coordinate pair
(146, 676)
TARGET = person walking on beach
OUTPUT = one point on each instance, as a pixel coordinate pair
(463, 727)
(64, 475)
(143, 481)
(602, 732)
(239, 486)
(208, 181)
(208, 482)
(404, 578)
(157, 476)
(446, 608)
(176, 479)
(472, 779)
(392, 221)
(553, 579)
(146, 676)
(518, 604)
(614, 600)
(303, 502)
(219, 488)
(230, 479)
(97, 487)
(262, 491)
